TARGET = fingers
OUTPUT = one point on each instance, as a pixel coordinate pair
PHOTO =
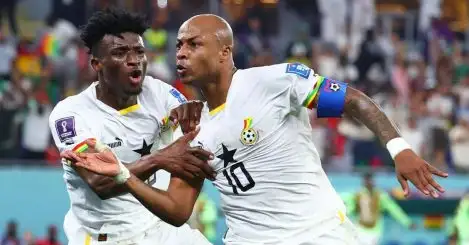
(404, 185)
(71, 155)
(83, 164)
(201, 153)
(203, 169)
(433, 183)
(196, 112)
(414, 177)
(427, 190)
(174, 115)
(91, 142)
(437, 172)
(187, 138)
(186, 118)
(187, 115)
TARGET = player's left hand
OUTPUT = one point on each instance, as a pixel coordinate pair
(410, 167)
(101, 161)
(187, 115)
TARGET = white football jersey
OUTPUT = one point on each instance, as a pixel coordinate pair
(131, 133)
(269, 173)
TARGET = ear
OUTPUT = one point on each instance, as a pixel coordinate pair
(226, 53)
(96, 64)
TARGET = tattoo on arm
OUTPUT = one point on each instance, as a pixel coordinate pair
(362, 108)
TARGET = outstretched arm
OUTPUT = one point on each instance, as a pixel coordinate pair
(335, 98)
(365, 110)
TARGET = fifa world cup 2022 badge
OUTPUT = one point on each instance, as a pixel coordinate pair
(249, 135)
(65, 128)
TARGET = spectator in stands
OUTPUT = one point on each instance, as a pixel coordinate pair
(8, 54)
(11, 236)
(51, 238)
(440, 108)
(300, 48)
(13, 97)
(462, 91)
(8, 7)
(370, 54)
(35, 136)
(369, 205)
(458, 231)
(28, 239)
(156, 39)
(459, 138)
(414, 135)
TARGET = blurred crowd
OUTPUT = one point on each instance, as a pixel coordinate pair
(11, 236)
(418, 71)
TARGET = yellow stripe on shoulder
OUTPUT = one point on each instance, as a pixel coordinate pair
(129, 109)
(217, 110)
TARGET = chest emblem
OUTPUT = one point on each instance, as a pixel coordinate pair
(249, 135)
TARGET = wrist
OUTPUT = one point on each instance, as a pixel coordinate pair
(124, 174)
(396, 146)
(157, 161)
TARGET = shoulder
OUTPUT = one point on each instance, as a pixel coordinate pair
(156, 88)
(69, 105)
(278, 72)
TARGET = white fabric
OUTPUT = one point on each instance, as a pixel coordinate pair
(276, 188)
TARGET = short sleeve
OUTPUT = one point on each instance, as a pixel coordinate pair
(175, 98)
(295, 80)
(68, 129)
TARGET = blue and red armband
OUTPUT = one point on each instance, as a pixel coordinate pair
(331, 99)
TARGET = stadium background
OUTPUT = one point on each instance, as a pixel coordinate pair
(411, 56)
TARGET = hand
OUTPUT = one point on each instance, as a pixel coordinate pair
(187, 115)
(411, 167)
(185, 161)
(103, 162)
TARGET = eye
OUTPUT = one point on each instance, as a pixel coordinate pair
(118, 53)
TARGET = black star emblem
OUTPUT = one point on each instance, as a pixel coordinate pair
(145, 150)
(227, 156)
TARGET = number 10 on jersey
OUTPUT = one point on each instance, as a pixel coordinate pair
(230, 175)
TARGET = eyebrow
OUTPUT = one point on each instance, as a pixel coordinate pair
(189, 38)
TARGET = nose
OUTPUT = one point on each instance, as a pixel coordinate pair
(133, 60)
(181, 53)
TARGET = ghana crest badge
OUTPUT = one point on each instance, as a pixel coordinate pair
(249, 135)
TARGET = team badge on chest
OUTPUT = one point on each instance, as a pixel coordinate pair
(249, 135)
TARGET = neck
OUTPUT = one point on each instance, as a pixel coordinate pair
(110, 98)
(216, 92)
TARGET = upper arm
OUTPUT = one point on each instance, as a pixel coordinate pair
(69, 130)
(175, 98)
(306, 89)
(294, 83)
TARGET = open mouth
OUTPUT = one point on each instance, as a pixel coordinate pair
(180, 68)
(136, 76)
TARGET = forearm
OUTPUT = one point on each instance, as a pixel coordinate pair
(107, 188)
(362, 108)
(173, 206)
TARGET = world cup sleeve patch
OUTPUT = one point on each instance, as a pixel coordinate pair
(299, 69)
(177, 95)
(65, 128)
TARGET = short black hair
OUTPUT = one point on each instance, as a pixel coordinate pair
(111, 21)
